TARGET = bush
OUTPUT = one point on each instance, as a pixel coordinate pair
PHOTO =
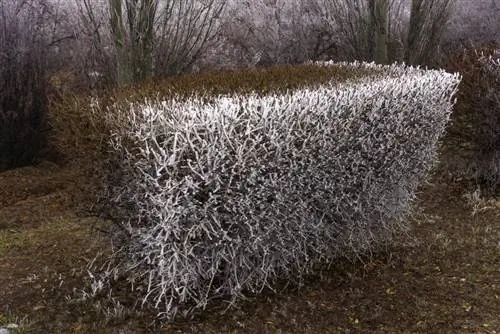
(477, 119)
(23, 102)
(222, 197)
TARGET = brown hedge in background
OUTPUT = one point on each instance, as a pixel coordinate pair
(476, 121)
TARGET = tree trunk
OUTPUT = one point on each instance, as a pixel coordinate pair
(380, 23)
(134, 44)
(123, 73)
(141, 16)
(428, 19)
(414, 32)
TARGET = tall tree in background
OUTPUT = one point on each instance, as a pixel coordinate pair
(133, 45)
(427, 21)
(142, 38)
(388, 30)
(266, 32)
(185, 29)
(350, 22)
(379, 10)
(25, 37)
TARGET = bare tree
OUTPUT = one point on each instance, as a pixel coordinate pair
(185, 30)
(134, 43)
(141, 38)
(350, 22)
(281, 31)
(473, 23)
(409, 30)
(380, 23)
(24, 37)
(428, 20)
(263, 32)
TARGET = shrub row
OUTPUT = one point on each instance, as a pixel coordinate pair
(488, 139)
(477, 116)
(222, 197)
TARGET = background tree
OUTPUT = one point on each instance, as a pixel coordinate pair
(350, 22)
(380, 26)
(133, 46)
(186, 28)
(407, 30)
(473, 23)
(428, 19)
(135, 39)
(265, 32)
(26, 34)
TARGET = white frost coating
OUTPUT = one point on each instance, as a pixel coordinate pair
(225, 197)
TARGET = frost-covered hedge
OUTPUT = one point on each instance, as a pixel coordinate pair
(222, 197)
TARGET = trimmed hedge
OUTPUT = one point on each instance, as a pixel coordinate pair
(223, 196)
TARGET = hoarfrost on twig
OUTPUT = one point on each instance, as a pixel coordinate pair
(225, 197)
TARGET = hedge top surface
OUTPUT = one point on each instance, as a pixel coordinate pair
(276, 79)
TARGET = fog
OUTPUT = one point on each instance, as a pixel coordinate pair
(475, 21)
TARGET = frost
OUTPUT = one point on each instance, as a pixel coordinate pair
(221, 198)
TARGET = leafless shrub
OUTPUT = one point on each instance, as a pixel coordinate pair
(221, 198)
(23, 102)
(272, 32)
(269, 32)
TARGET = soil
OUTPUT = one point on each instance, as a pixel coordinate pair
(443, 278)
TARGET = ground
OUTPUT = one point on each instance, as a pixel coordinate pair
(444, 277)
